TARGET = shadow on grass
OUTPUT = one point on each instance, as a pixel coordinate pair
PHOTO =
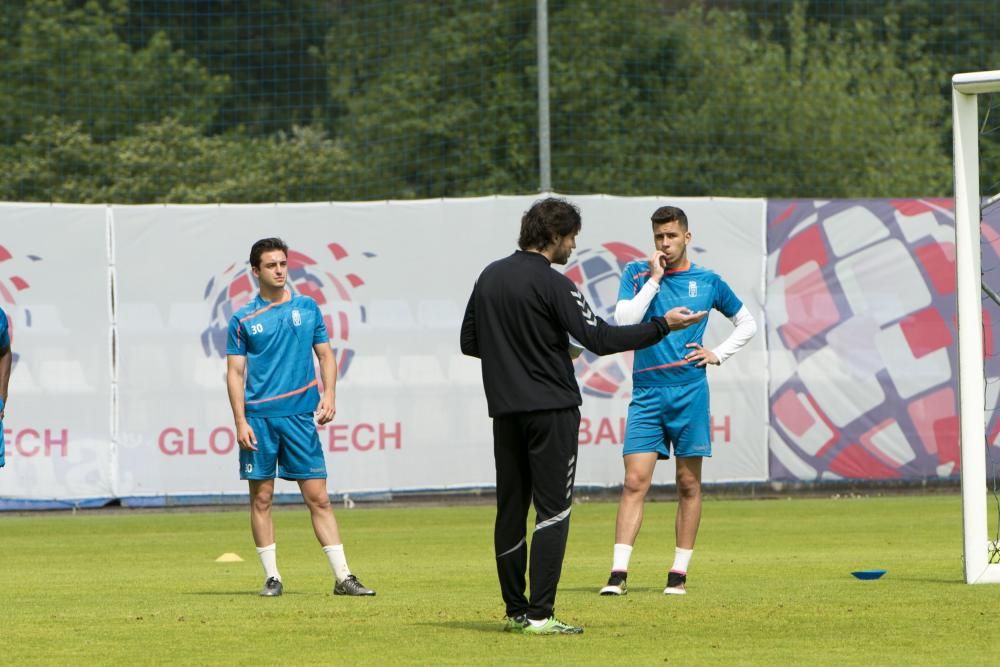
(468, 626)
(243, 593)
(594, 589)
(906, 579)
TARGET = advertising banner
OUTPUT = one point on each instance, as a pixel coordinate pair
(392, 280)
(120, 316)
(54, 289)
(861, 336)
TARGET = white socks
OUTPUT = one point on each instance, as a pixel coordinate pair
(622, 555)
(269, 559)
(682, 558)
(338, 561)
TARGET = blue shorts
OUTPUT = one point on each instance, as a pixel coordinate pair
(287, 447)
(674, 416)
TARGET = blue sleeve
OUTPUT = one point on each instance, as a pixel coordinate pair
(4, 331)
(320, 334)
(726, 302)
(629, 285)
(236, 342)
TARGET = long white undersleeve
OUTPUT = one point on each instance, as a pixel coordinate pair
(631, 311)
(746, 327)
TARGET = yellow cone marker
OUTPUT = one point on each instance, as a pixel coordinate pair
(229, 558)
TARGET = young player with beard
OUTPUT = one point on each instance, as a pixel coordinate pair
(670, 403)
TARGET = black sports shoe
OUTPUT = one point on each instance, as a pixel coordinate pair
(675, 583)
(616, 584)
(272, 588)
(351, 586)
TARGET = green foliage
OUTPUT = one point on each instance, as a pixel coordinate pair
(697, 105)
(172, 162)
(137, 101)
(444, 104)
(286, 167)
(269, 51)
(958, 34)
(57, 162)
(833, 114)
(69, 62)
(611, 69)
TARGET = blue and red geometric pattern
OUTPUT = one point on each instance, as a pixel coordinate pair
(861, 339)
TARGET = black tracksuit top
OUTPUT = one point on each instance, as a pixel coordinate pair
(518, 322)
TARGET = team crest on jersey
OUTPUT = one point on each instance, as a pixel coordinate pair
(692, 288)
(296, 317)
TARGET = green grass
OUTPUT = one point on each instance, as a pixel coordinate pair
(770, 584)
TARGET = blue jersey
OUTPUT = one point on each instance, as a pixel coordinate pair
(277, 339)
(697, 288)
(4, 331)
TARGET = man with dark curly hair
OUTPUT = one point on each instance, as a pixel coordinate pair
(518, 322)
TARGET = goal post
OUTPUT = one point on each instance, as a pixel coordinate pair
(971, 373)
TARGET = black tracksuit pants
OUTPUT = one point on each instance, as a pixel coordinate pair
(535, 454)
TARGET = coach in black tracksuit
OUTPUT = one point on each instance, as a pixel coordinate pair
(518, 322)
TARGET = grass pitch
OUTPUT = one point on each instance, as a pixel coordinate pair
(769, 584)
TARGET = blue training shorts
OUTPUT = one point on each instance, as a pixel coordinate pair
(674, 416)
(287, 447)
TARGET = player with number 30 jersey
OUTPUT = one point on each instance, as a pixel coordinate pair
(275, 398)
(277, 339)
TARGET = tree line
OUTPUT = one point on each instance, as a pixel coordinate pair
(205, 101)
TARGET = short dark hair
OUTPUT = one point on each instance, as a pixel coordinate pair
(547, 220)
(670, 214)
(266, 245)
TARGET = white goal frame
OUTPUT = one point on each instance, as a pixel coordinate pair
(968, 268)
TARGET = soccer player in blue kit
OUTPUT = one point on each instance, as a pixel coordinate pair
(670, 402)
(273, 393)
(6, 356)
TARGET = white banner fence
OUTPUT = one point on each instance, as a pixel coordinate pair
(120, 313)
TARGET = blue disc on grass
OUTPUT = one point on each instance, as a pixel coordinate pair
(868, 574)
